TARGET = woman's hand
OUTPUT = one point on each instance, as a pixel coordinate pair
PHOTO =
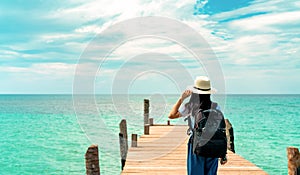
(174, 111)
(223, 160)
(186, 94)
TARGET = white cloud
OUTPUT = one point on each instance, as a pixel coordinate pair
(89, 29)
(149, 44)
(94, 10)
(49, 38)
(8, 54)
(267, 22)
(113, 11)
(42, 70)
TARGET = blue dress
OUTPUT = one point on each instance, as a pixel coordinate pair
(198, 165)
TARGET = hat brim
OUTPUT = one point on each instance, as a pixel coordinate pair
(197, 91)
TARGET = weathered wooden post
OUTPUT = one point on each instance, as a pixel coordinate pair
(151, 121)
(146, 116)
(146, 111)
(133, 140)
(92, 160)
(123, 130)
(147, 129)
(230, 136)
(123, 151)
(293, 157)
(123, 140)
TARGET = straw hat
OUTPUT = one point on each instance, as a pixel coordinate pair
(202, 86)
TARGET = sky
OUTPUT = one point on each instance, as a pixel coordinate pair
(256, 43)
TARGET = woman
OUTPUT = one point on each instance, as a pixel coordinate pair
(200, 99)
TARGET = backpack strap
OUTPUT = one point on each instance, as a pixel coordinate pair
(188, 118)
(190, 130)
(214, 105)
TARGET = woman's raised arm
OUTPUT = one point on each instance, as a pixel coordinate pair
(174, 111)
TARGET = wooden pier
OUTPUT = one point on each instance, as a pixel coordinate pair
(164, 151)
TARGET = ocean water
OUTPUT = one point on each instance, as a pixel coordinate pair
(49, 134)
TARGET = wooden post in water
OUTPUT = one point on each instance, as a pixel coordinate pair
(146, 111)
(92, 161)
(293, 157)
(123, 140)
(146, 116)
(123, 151)
(230, 136)
(123, 130)
(133, 140)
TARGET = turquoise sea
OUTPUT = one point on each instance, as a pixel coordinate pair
(43, 134)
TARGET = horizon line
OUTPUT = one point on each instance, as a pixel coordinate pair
(144, 94)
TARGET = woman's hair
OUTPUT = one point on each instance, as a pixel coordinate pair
(198, 101)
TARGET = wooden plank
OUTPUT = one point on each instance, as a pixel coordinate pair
(164, 151)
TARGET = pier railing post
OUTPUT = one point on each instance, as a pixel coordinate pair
(123, 140)
(123, 151)
(92, 161)
(151, 121)
(293, 157)
(146, 116)
(146, 111)
(146, 129)
(133, 140)
(123, 130)
(230, 136)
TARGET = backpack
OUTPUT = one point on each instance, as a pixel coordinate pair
(209, 133)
